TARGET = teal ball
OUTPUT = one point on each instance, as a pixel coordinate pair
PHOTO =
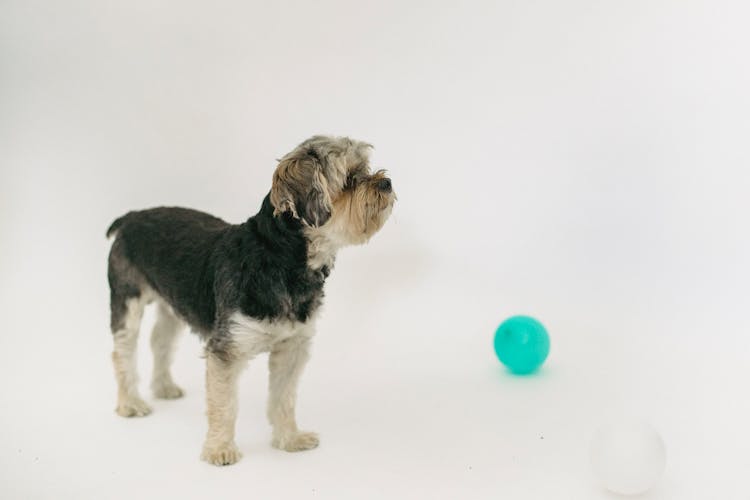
(521, 344)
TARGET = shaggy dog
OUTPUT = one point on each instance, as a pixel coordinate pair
(245, 289)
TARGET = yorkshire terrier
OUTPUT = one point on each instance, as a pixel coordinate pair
(245, 289)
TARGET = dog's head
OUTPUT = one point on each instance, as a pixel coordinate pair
(326, 183)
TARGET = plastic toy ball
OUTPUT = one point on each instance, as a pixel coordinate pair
(521, 344)
(628, 457)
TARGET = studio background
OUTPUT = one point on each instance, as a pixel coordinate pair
(585, 162)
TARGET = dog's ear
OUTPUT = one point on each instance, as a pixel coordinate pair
(299, 187)
(316, 210)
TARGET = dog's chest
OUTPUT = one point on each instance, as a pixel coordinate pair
(251, 336)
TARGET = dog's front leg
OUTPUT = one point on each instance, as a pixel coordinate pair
(286, 362)
(221, 398)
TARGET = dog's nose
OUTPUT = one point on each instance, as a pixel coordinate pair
(384, 185)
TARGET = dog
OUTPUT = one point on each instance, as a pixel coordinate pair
(245, 289)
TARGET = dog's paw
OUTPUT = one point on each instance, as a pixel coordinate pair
(134, 407)
(298, 441)
(166, 390)
(222, 455)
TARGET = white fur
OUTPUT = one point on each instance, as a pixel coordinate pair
(251, 337)
(129, 401)
(163, 339)
(288, 342)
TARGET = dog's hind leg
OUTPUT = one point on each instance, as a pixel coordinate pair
(124, 357)
(163, 339)
(127, 301)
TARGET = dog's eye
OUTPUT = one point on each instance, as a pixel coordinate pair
(350, 181)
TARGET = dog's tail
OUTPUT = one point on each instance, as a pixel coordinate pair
(116, 224)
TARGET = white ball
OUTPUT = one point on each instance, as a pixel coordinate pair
(628, 457)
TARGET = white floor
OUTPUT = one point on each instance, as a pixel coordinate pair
(582, 162)
(403, 388)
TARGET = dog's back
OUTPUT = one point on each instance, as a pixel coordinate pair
(167, 249)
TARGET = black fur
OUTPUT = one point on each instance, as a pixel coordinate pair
(206, 269)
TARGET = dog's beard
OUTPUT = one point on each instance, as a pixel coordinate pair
(366, 211)
(358, 214)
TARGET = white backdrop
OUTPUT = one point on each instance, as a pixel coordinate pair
(585, 162)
